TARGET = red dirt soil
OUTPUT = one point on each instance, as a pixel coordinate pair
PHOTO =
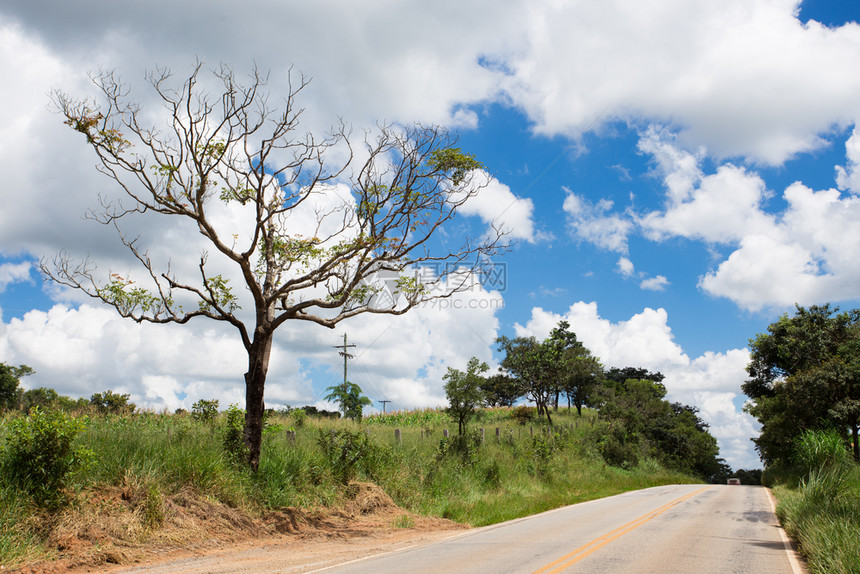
(107, 532)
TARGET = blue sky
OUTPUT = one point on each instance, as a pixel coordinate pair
(676, 175)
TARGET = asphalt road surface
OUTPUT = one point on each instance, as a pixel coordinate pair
(684, 529)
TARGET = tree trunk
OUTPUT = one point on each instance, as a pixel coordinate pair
(255, 381)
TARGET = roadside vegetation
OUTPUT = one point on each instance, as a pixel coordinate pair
(804, 389)
(150, 467)
(819, 501)
(70, 465)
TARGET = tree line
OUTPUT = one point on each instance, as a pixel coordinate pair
(13, 397)
(635, 419)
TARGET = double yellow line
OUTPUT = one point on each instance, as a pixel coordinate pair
(583, 551)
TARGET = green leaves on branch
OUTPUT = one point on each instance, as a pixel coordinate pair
(221, 294)
(453, 163)
(280, 252)
(411, 287)
(243, 195)
(130, 300)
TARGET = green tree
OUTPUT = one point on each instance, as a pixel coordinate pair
(348, 396)
(805, 375)
(670, 432)
(44, 398)
(237, 150)
(204, 410)
(463, 391)
(501, 390)
(584, 373)
(10, 378)
(111, 402)
(539, 365)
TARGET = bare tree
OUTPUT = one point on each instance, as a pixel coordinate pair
(239, 151)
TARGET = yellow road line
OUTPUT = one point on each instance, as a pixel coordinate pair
(586, 549)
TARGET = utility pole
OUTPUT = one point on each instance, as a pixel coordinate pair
(345, 356)
(383, 405)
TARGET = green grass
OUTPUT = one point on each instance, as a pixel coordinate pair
(823, 514)
(528, 469)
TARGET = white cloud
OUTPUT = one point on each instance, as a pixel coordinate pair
(710, 382)
(11, 273)
(721, 207)
(657, 283)
(741, 77)
(848, 176)
(805, 254)
(402, 359)
(502, 211)
(592, 222)
(625, 267)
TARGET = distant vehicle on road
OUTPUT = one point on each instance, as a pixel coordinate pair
(734, 481)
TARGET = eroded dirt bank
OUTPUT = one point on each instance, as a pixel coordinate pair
(107, 532)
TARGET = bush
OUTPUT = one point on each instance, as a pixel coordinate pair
(345, 450)
(234, 435)
(299, 418)
(523, 415)
(618, 449)
(204, 411)
(111, 402)
(467, 446)
(40, 454)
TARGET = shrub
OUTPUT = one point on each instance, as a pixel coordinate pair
(234, 435)
(467, 446)
(111, 402)
(618, 449)
(344, 450)
(40, 453)
(204, 411)
(523, 415)
(299, 418)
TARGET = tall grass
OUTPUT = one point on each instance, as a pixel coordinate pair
(823, 512)
(307, 464)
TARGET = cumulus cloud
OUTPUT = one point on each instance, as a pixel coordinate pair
(595, 224)
(710, 382)
(809, 257)
(719, 208)
(741, 77)
(11, 273)
(502, 211)
(625, 266)
(848, 176)
(803, 254)
(80, 350)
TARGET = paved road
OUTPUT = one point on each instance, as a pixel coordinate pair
(680, 529)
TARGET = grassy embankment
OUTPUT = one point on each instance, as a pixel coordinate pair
(157, 459)
(819, 503)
